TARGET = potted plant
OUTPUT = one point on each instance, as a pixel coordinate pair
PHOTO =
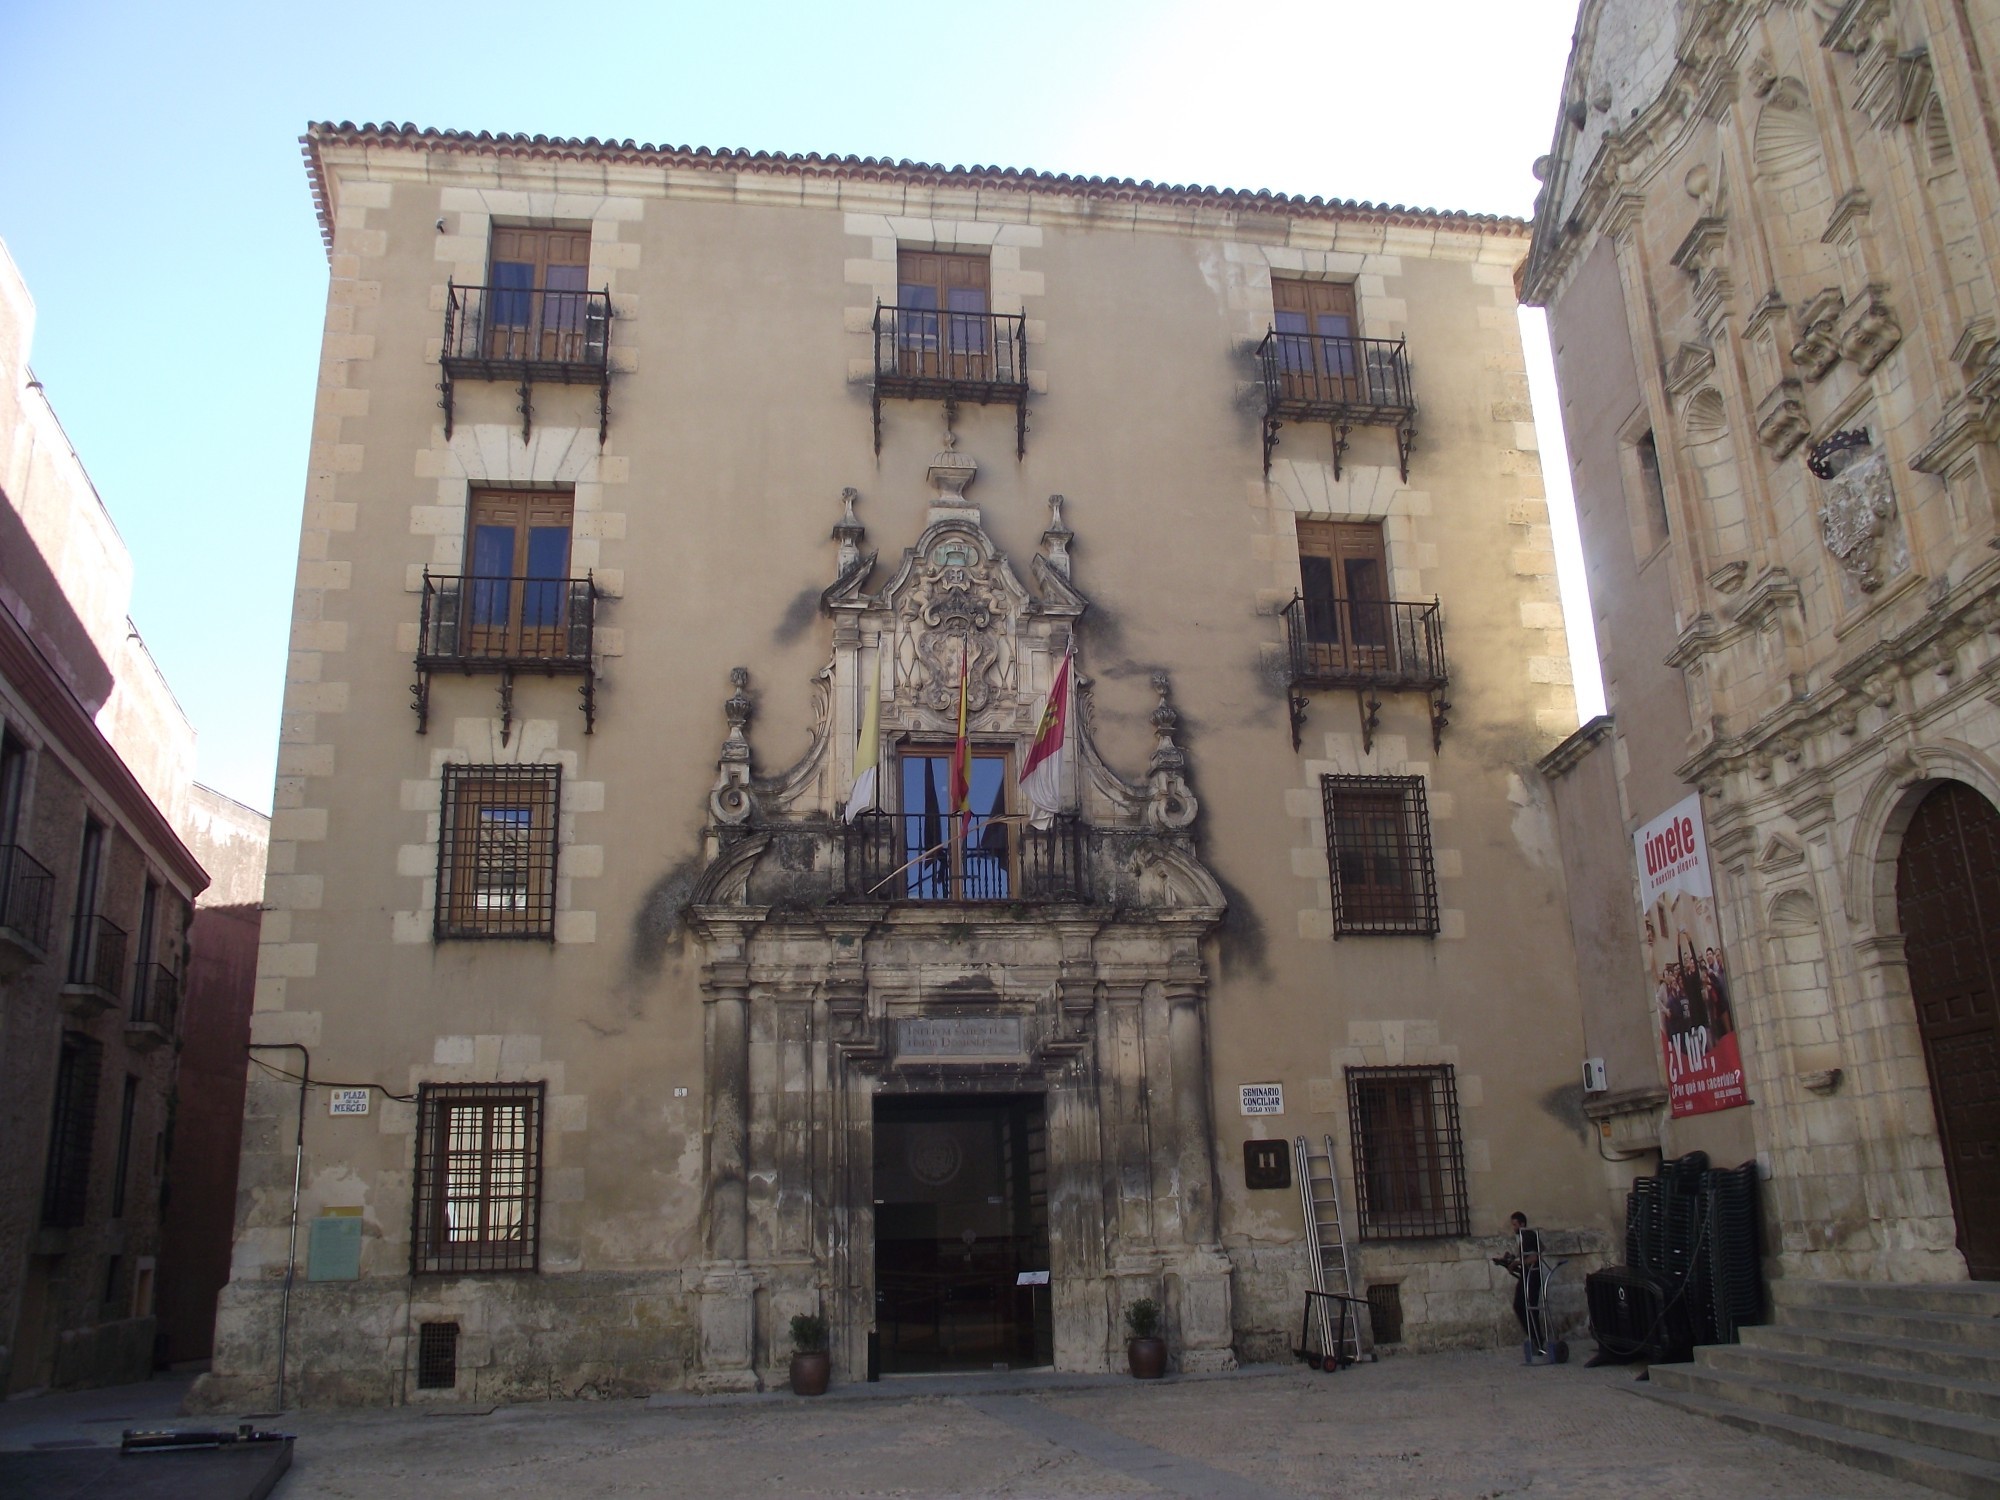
(1145, 1350)
(811, 1364)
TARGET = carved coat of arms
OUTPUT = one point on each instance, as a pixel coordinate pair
(1859, 504)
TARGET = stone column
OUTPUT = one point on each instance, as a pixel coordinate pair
(728, 1290)
(1206, 1319)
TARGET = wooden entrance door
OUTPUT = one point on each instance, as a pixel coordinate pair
(1948, 904)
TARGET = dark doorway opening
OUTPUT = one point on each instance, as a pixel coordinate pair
(961, 1232)
(1948, 904)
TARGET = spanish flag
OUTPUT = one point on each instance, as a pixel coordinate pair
(1041, 771)
(961, 750)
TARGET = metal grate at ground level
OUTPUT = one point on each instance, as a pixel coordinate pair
(437, 1356)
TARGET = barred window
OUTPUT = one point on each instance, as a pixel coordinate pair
(1378, 847)
(1409, 1163)
(479, 1178)
(66, 1177)
(497, 852)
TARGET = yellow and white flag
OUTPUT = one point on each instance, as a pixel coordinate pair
(867, 749)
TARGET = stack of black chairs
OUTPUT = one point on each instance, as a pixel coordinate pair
(1691, 1274)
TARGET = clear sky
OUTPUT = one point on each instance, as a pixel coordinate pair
(152, 193)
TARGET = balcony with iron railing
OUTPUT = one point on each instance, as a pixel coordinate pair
(527, 336)
(156, 1005)
(1369, 645)
(926, 353)
(27, 902)
(1345, 382)
(96, 965)
(475, 623)
(937, 857)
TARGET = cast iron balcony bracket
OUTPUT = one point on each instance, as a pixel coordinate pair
(914, 858)
(928, 354)
(526, 335)
(1344, 382)
(1372, 646)
(476, 623)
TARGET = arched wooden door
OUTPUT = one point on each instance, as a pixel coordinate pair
(1948, 904)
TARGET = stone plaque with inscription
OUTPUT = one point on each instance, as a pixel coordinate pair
(960, 1036)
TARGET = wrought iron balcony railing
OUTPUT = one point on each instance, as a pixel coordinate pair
(1370, 645)
(924, 857)
(97, 954)
(27, 896)
(926, 353)
(156, 997)
(477, 623)
(1347, 382)
(526, 335)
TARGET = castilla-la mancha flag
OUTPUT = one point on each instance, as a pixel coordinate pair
(1041, 772)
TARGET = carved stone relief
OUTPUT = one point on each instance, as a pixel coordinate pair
(1858, 511)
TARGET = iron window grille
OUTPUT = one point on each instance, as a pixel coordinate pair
(496, 873)
(437, 1356)
(66, 1181)
(1378, 848)
(478, 1194)
(1409, 1160)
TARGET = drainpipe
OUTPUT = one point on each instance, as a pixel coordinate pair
(298, 1167)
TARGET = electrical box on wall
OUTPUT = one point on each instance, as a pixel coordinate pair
(1593, 1075)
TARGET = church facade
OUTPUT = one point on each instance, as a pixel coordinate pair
(659, 942)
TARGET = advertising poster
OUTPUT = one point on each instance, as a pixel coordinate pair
(1685, 965)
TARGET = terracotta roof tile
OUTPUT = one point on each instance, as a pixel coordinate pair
(869, 169)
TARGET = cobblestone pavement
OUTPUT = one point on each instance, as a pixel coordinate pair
(1451, 1426)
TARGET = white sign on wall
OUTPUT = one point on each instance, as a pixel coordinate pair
(347, 1101)
(1263, 1098)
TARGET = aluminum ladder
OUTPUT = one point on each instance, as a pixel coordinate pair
(1326, 1243)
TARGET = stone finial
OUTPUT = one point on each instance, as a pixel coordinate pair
(1057, 538)
(951, 473)
(730, 802)
(1171, 805)
(849, 532)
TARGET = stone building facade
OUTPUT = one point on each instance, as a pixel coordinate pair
(644, 481)
(96, 886)
(1766, 243)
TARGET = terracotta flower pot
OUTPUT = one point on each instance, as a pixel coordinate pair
(810, 1373)
(1148, 1358)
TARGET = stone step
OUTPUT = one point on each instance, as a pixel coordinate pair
(1919, 1386)
(1953, 1473)
(1920, 1356)
(1882, 1322)
(1894, 1415)
(1965, 1299)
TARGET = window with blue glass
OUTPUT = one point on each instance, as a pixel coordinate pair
(517, 585)
(538, 309)
(948, 854)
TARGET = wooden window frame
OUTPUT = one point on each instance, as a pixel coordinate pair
(538, 323)
(1408, 1152)
(526, 616)
(1398, 837)
(943, 341)
(1314, 363)
(464, 844)
(1347, 630)
(477, 1164)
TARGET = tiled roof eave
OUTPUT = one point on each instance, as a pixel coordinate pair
(1112, 190)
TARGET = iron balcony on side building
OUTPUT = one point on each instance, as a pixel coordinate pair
(926, 354)
(27, 900)
(1344, 382)
(96, 965)
(475, 623)
(156, 1005)
(528, 336)
(1370, 645)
